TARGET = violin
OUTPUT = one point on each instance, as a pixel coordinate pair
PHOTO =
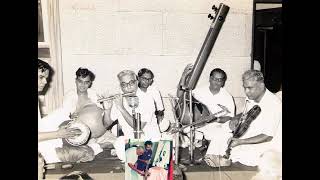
(243, 125)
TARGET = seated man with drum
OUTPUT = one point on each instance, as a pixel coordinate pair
(86, 116)
(49, 138)
(218, 101)
(250, 133)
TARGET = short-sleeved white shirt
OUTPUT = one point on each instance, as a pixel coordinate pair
(204, 95)
(156, 95)
(269, 118)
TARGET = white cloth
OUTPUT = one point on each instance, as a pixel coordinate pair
(48, 148)
(266, 123)
(223, 97)
(156, 95)
(146, 108)
(52, 121)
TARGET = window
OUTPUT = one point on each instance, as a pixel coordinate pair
(43, 34)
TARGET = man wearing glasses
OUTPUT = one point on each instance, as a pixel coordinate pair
(145, 78)
(213, 97)
(122, 112)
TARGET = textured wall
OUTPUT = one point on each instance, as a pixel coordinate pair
(108, 36)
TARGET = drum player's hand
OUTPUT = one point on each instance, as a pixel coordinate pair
(65, 132)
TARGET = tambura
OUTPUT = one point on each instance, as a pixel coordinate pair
(81, 139)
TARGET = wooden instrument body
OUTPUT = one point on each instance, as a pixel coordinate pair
(243, 125)
(200, 111)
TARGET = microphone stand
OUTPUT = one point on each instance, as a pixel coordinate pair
(133, 102)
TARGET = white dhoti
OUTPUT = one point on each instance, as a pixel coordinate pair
(213, 130)
(151, 132)
(117, 142)
(48, 150)
(219, 139)
(248, 154)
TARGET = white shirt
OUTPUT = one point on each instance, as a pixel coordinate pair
(269, 118)
(204, 95)
(156, 95)
(52, 121)
(146, 108)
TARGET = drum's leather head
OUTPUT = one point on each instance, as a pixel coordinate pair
(81, 139)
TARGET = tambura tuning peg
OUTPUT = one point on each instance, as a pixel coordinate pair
(210, 16)
(214, 8)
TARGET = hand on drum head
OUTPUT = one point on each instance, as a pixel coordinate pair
(65, 132)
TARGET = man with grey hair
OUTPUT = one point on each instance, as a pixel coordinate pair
(256, 140)
(123, 112)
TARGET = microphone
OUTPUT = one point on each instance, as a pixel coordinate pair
(133, 101)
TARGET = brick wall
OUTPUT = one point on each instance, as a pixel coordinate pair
(108, 36)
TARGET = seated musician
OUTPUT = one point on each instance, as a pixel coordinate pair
(145, 78)
(81, 106)
(81, 99)
(256, 139)
(213, 97)
(49, 136)
(122, 112)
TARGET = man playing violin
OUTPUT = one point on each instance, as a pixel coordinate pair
(256, 140)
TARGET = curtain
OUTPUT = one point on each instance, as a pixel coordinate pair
(55, 92)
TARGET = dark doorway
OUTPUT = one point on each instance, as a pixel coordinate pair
(267, 45)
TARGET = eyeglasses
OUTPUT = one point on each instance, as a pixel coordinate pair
(130, 83)
(217, 79)
(146, 79)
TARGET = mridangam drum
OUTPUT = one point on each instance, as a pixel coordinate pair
(81, 139)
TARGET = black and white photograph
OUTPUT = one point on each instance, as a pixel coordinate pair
(192, 87)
